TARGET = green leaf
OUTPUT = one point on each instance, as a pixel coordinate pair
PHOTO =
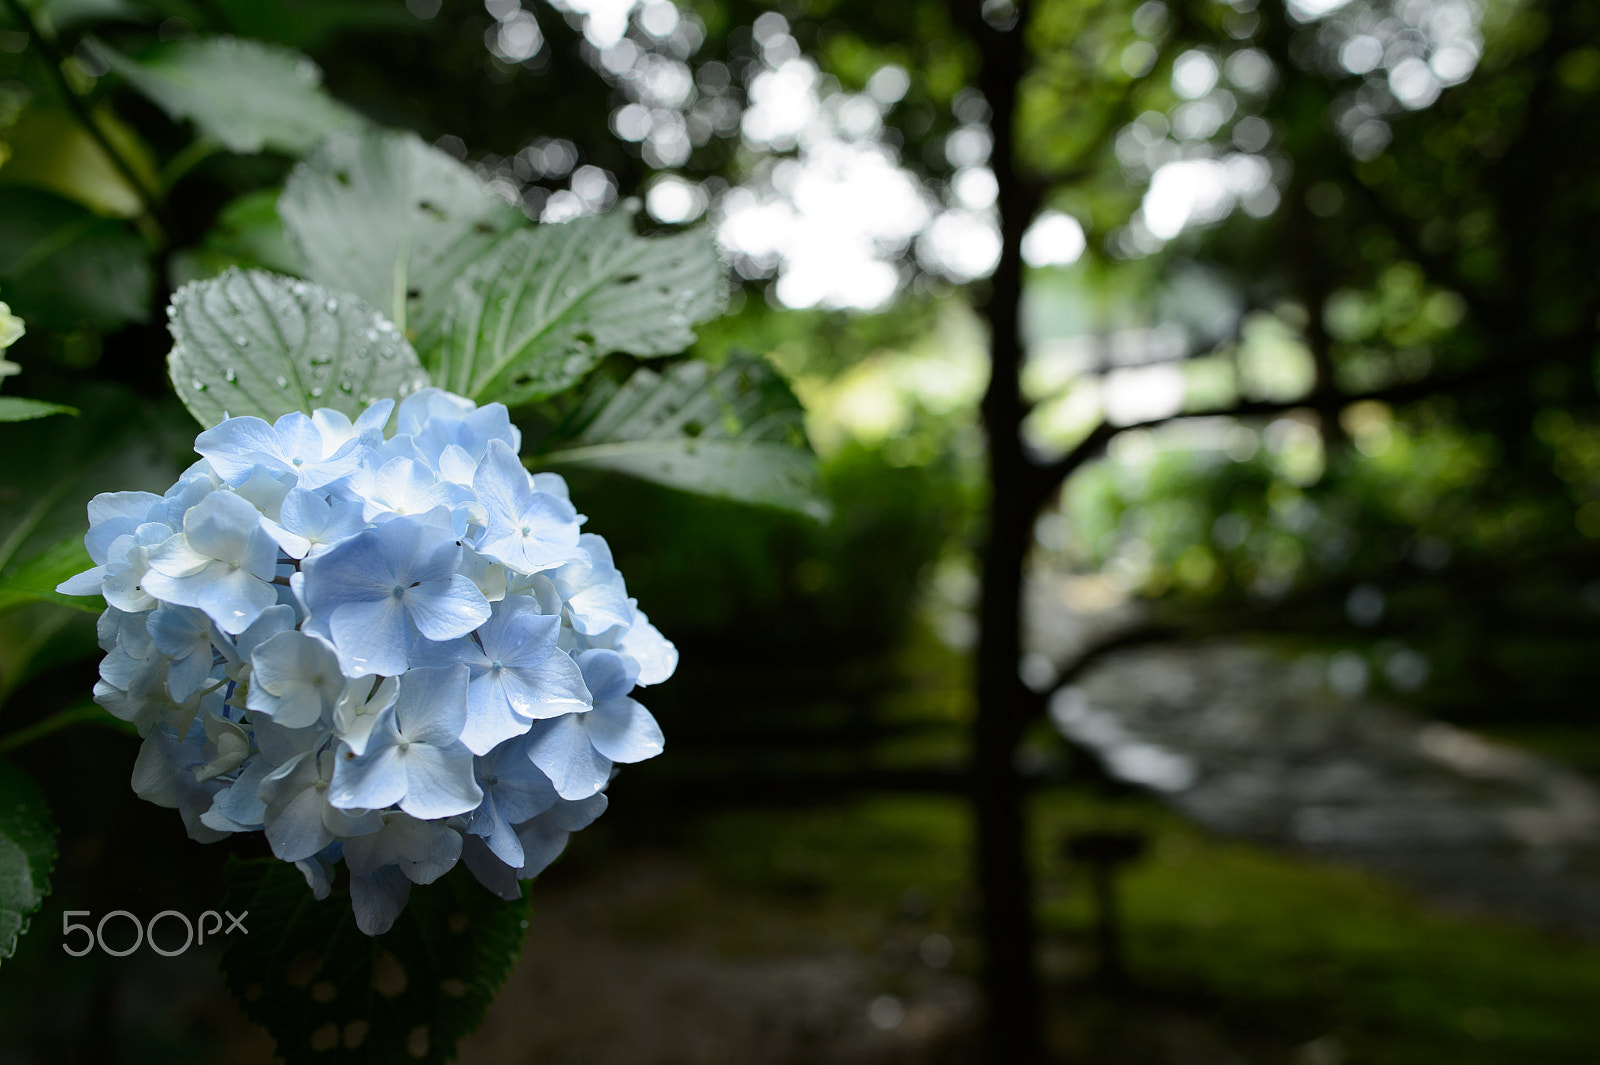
(17, 409)
(35, 579)
(328, 993)
(51, 149)
(27, 853)
(393, 220)
(733, 432)
(536, 315)
(63, 268)
(248, 95)
(251, 342)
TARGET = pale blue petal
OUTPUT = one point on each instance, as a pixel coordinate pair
(561, 748)
(657, 657)
(371, 637)
(598, 608)
(440, 782)
(607, 674)
(295, 829)
(372, 782)
(89, 582)
(188, 673)
(542, 843)
(233, 600)
(519, 634)
(503, 841)
(520, 790)
(624, 731)
(355, 570)
(550, 689)
(378, 899)
(432, 705)
(446, 609)
(490, 719)
(491, 872)
(501, 482)
(575, 816)
(235, 445)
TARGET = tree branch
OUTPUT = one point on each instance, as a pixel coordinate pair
(1050, 475)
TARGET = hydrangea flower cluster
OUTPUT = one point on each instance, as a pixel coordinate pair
(396, 651)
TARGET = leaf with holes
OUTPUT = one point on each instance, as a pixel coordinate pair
(733, 432)
(395, 221)
(329, 993)
(246, 94)
(536, 315)
(250, 342)
(27, 853)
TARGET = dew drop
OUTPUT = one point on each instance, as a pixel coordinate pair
(229, 376)
(283, 382)
(199, 385)
(331, 306)
(316, 393)
(572, 290)
(347, 386)
(242, 341)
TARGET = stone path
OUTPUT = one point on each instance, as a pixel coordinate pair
(1249, 743)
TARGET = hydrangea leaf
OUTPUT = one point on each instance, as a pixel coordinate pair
(534, 317)
(18, 409)
(330, 994)
(734, 432)
(248, 95)
(250, 342)
(392, 219)
(27, 853)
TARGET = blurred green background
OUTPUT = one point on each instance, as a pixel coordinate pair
(1330, 265)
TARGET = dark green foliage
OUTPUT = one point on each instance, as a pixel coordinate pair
(64, 268)
(27, 853)
(330, 993)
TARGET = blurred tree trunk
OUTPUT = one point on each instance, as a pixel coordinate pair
(1011, 985)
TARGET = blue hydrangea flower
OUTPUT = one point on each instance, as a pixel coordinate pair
(387, 650)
